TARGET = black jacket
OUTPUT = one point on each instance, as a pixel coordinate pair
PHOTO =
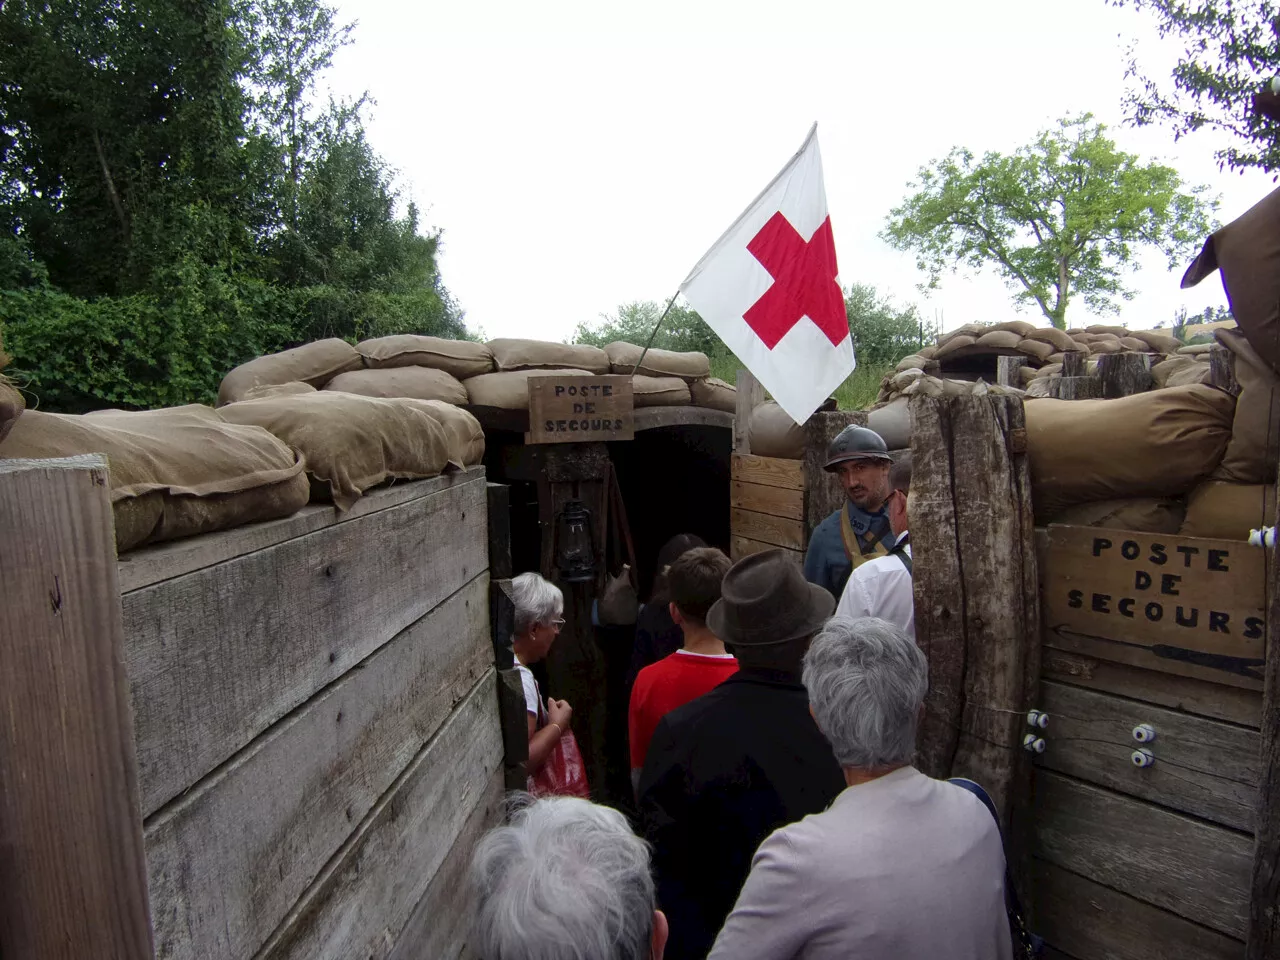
(722, 773)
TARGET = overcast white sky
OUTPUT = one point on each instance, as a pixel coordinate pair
(579, 154)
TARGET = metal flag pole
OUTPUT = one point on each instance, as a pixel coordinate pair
(644, 353)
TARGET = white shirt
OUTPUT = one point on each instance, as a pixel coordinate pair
(881, 588)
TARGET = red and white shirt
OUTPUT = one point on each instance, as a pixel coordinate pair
(671, 682)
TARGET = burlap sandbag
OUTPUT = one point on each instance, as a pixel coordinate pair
(927, 352)
(509, 391)
(1255, 433)
(463, 431)
(417, 383)
(1195, 349)
(538, 355)
(1154, 444)
(1134, 345)
(1056, 338)
(1007, 339)
(314, 363)
(774, 434)
(714, 395)
(1162, 371)
(1035, 348)
(1157, 341)
(291, 389)
(1139, 514)
(351, 443)
(173, 473)
(913, 362)
(1228, 511)
(954, 343)
(1020, 327)
(1027, 374)
(1100, 345)
(1038, 388)
(893, 422)
(660, 392)
(458, 358)
(658, 363)
(1191, 373)
(1102, 328)
(1079, 335)
(11, 406)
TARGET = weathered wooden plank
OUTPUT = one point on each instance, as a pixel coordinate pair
(1075, 363)
(72, 873)
(1136, 655)
(775, 501)
(1194, 869)
(823, 492)
(1007, 371)
(655, 418)
(292, 797)
(750, 396)
(770, 471)
(216, 656)
(1075, 388)
(499, 515)
(143, 567)
(740, 547)
(1215, 700)
(1203, 767)
(441, 921)
(1087, 920)
(1221, 370)
(368, 891)
(1124, 374)
(760, 526)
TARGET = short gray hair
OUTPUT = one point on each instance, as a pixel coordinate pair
(866, 680)
(566, 879)
(537, 601)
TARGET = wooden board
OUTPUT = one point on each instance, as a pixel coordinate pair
(1194, 869)
(750, 395)
(1190, 695)
(218, 655)
(1087, 920)
(740, 547)
(769, 471)
(231, 857)
(1136, 655)
(368, 891)
(760, 498)
(1190, 601)
(1203, 767)
(72, 874)
(583, 409)
(761, 526)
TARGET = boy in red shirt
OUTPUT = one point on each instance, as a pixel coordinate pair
(696, 668)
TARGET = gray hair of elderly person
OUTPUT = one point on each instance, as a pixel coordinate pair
(536, 600)
(566, 878)
(866, 681)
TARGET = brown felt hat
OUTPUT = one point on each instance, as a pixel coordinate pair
(765, 599)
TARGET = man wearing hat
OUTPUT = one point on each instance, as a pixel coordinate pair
(727, 769)
(859, 531)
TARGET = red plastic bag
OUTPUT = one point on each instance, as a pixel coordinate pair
(564, 774)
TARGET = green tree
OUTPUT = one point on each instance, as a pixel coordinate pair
(682, 329)
(1058, 219)
(882, 332)
(1230, 50)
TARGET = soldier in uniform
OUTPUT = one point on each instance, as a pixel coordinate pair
(860, 530)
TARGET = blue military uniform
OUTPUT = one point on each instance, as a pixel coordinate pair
(846, 539)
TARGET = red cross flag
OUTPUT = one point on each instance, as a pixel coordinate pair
(770, 289)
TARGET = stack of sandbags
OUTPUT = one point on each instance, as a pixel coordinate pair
(173, 473)
(460, 359)
(772, 433)
(521, 355)
(415, 383)
(509, 390)
(909, 381)
(1220, 510)
(1138, 514)
(11, 401)
(312, 363)
(693, 368)
(714, 395)
(1011, 338)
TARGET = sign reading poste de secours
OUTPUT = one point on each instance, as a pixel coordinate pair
(1197, 601)
(569, 409)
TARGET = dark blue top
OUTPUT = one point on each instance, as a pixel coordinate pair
(826, 563)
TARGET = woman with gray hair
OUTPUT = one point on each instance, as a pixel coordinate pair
(901, 866)
(539, 616)
(566, 879)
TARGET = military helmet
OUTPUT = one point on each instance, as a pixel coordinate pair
(856, 443)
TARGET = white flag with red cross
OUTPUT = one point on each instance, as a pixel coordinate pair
(770, 289)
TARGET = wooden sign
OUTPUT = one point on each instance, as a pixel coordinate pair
(581, 409)
(1190, 602)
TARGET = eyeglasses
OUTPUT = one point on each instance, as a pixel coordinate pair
(556, 623)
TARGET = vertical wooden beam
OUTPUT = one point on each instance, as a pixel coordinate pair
(1074, 363)
(822, 491)
(1075, 388)
(1008, 371)
(750, 396)
(73, 879)
(1222, 372)
(499, 498)
(1124, 374)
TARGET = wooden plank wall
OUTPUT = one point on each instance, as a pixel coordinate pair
(1146, 863)
(767, 506)
(317, 727)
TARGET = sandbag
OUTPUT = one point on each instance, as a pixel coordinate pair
(1006, 339)
(1158, 342)
(927, 353)
(509, 391)
(1027, 374)
(1255, 433)
(774, 434)
(1055, 358)
(1035, 348)
(1192, 373)
(714, 395)
(1162, 371)
(1220, 510)
(660, 392)
(657, 363)
(1048, 370)
(1139, 514)
(900, 381)
(893, 423)
(511, 354)
(314, 363)
(1195, 349)
(1079, 335)
(1134, 345)
(1056, 338)
(974, 330)
(12, 404)
(913, 362)
(953, 343)
(173, 473)
(461, 429)
(1038, 388)
(1154, 444)
(458, 358)
(291, 389)
(1102, 328)
(351, 443)
(418, 383)
(1099, 345)
(1020, 327)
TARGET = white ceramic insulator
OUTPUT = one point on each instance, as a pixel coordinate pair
(1144, 733)
(1264, 537)
(1042, 721)
(1143, 758)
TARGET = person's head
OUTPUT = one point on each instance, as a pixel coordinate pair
(565, 879)
(899, 492)
(860, 458)
(671, 550)
(539, 607)
(693, 583)
(866, 681)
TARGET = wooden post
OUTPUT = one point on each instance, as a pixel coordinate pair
(1222, 372)
(1008, 371)
(499, 496)
(1124, 374)
(822, 491)
(750, 396)
(1075, 363)
(1075, 388)
(73, 877)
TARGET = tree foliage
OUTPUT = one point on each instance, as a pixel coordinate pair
(1058, 219)
(883, 332)
(1230, 50)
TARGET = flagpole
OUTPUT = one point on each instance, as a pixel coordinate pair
(644, 353)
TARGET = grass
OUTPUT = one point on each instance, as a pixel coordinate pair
(856, 393)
